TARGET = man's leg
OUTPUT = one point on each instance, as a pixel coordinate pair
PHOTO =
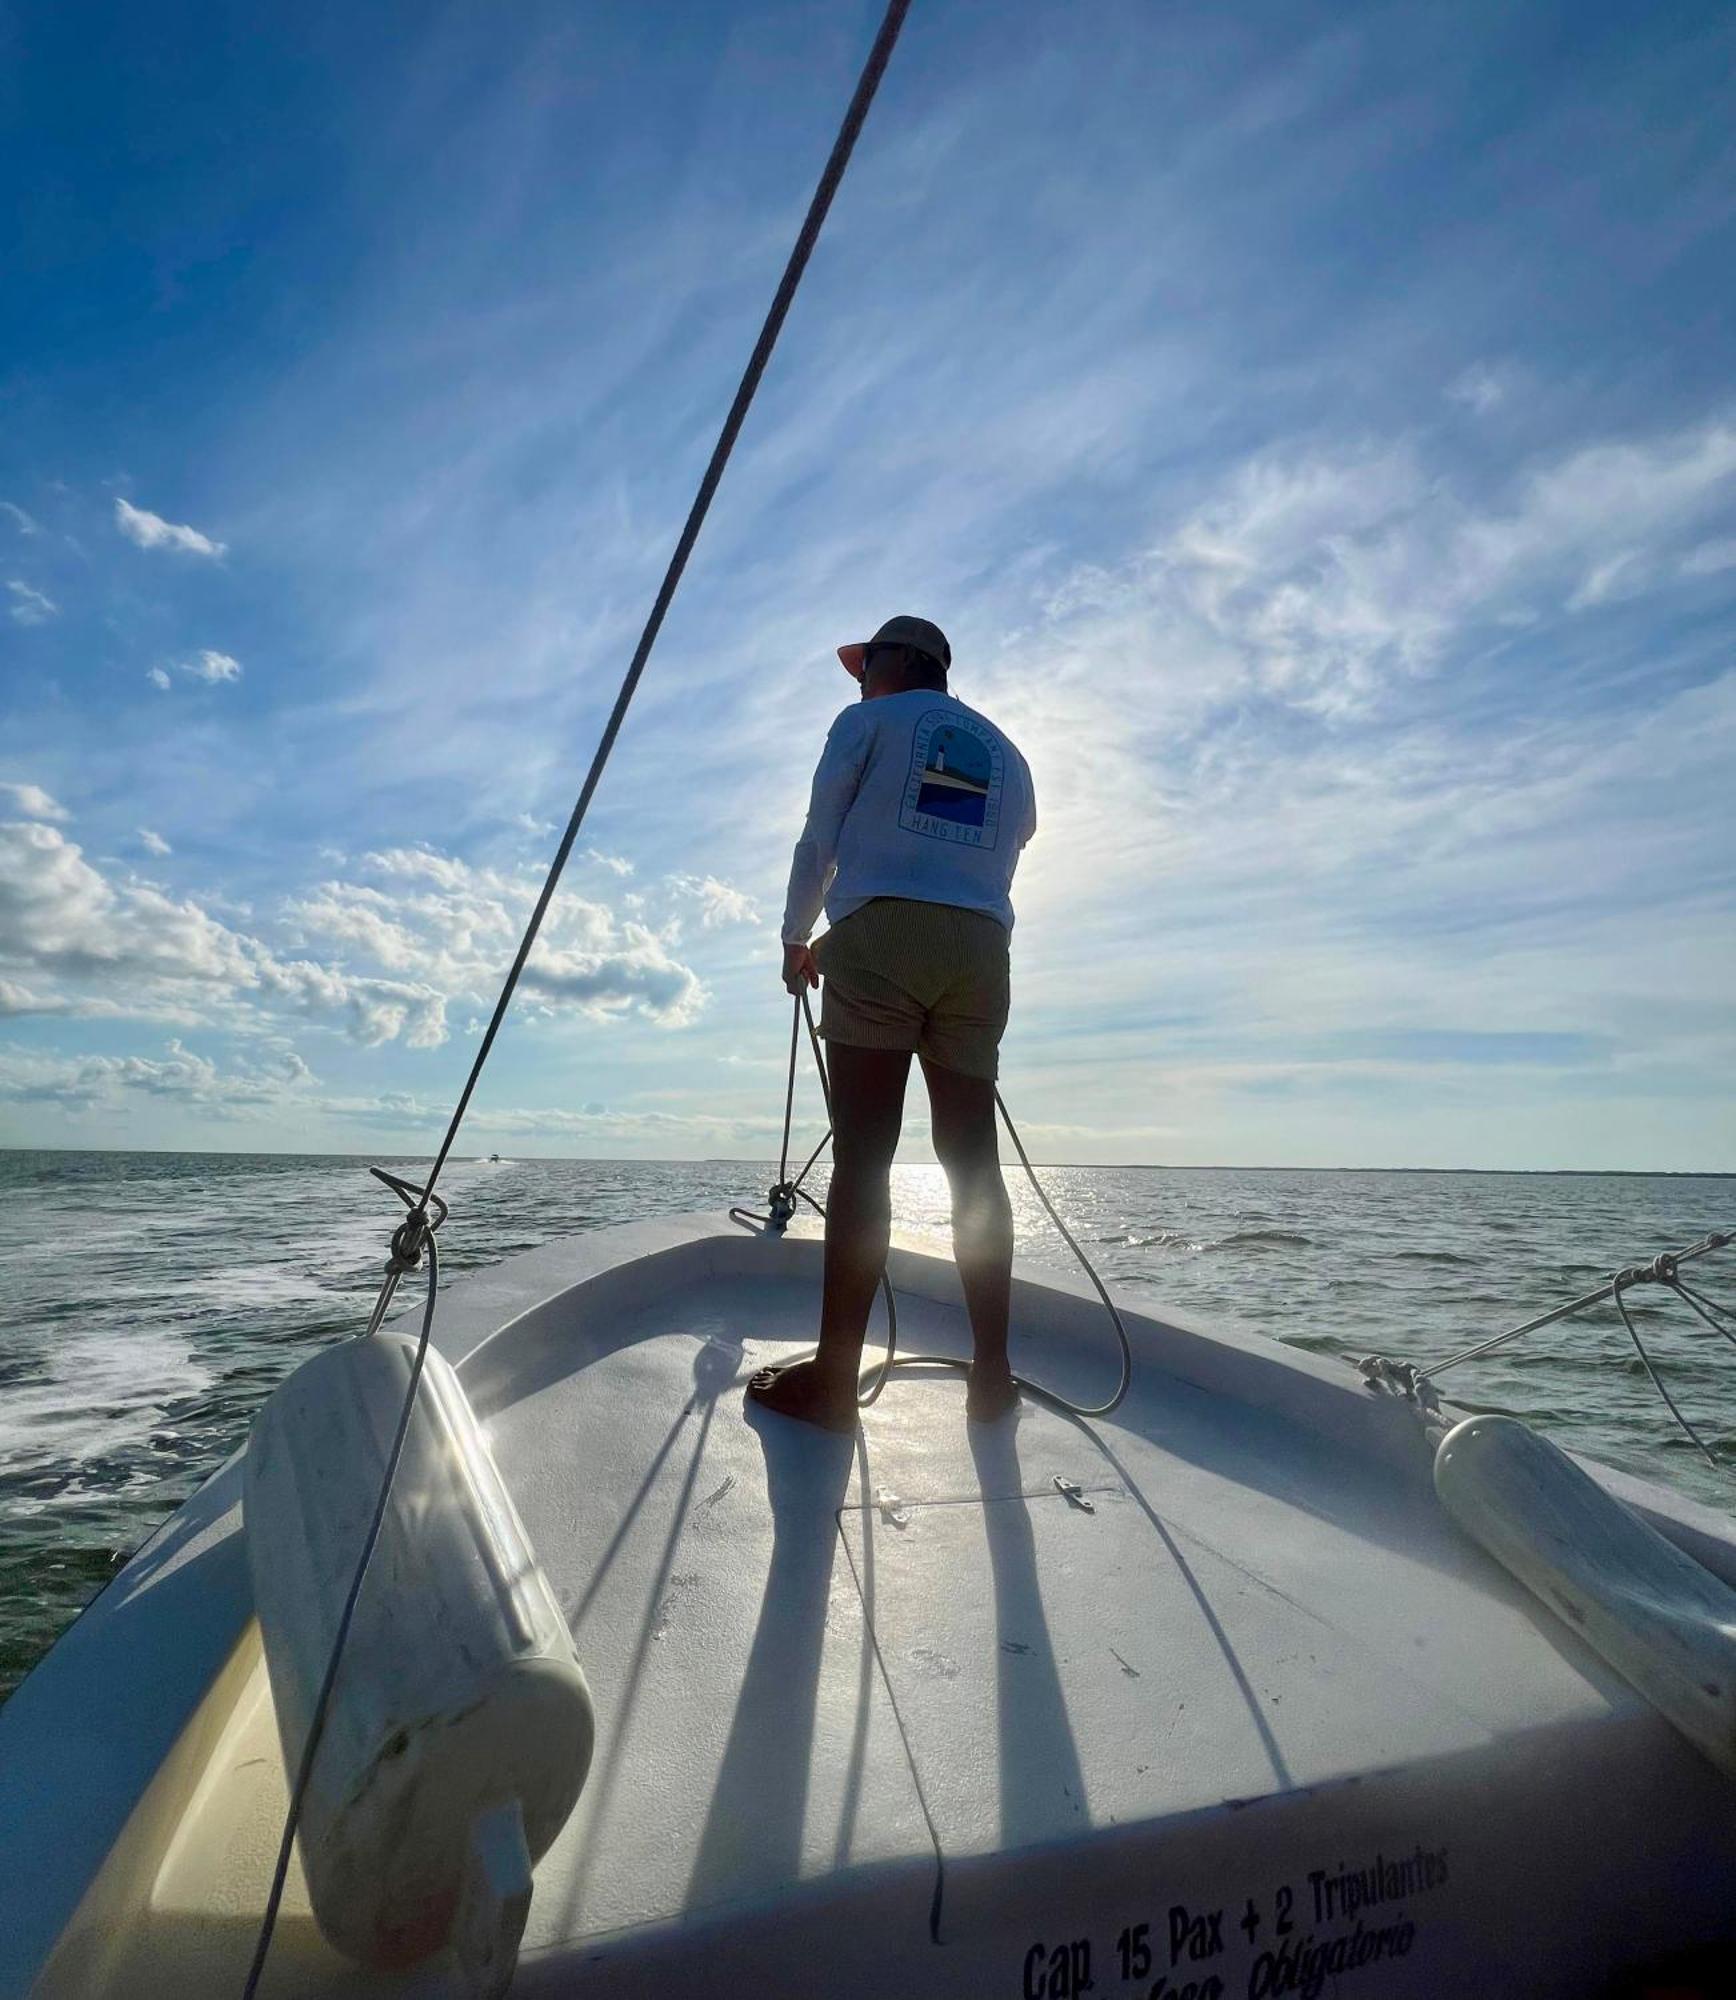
(965, 1143)
(867, 1111)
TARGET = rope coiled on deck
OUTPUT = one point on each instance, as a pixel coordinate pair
(782, 1196)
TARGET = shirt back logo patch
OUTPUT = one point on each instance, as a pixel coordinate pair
(957, 765)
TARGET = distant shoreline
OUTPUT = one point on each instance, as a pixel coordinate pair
(757, 1162)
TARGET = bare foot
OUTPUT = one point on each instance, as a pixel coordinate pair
(800, 1389)
(992, 1393)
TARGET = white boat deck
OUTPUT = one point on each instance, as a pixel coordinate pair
(895, 1715)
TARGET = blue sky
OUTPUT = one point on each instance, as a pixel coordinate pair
(1314, 426)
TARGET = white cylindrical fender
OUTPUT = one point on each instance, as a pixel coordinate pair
(460, 1727)
(1658, 1617)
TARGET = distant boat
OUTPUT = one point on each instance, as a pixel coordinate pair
(494, 1159)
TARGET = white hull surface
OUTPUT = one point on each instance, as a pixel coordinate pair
(897, 1716)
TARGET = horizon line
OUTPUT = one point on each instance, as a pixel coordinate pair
(757, 1160)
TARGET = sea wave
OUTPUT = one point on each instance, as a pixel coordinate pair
(135, 1349)
(1162, 1239)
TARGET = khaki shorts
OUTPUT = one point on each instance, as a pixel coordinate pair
(927, 977)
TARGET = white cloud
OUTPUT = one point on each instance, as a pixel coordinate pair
(92, 1083)
(151, 531)
(58, 914)
(1323, 582)
(1276, 726)
(153, 843)
(17, 516)
(427, 931)
(17, 999)
(29, 606)
(426, 864)
(1322, 847)
(1710, 558)
(718, 902)
(617, 864)
(1481, 388)
(211, 667)
(34, 802)
(129, 947)
(207, 665)
(456, 926)
(639, 974)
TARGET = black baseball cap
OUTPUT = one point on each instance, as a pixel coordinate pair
(916, 633)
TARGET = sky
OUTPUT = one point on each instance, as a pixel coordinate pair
(1314, 427)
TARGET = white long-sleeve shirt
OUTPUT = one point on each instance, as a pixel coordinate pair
(915, 796)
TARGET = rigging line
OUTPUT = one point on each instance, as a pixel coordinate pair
(1616, 1290)
(1702, 1302)
(1694, 1301)
(842, 148)
(825, 1141)
(789, 1104)
(1436, 1368)
(1662, 1270)
(416, 1233)
(807, 1014)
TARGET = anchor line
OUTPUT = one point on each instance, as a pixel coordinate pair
(414, 1236)
(781, 1202)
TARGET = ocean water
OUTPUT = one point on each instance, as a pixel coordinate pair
(149, 1301)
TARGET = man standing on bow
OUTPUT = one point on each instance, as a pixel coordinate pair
(920, 808)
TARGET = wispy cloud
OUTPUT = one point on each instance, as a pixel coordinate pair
(210, 667)
(383, 958)
(89, 1084)
(455, 924)
(34, 802)
(718, 903)
(1710, 558)
(30, 606)
(17, 516)
(151, 531)
(1335, 495)
(280, 1091)
(128, 943)
(1481, 388)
